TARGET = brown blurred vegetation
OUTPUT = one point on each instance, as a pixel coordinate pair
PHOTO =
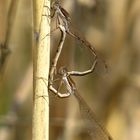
(114, 28)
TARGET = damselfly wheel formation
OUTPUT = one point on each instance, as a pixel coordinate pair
(63, 23)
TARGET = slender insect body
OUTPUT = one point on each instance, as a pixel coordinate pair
(63, 21)
(100, 133)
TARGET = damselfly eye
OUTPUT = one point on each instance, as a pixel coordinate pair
(62, 70)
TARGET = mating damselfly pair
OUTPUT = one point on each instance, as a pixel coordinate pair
(63, 24)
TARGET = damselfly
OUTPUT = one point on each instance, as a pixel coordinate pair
(95, 128)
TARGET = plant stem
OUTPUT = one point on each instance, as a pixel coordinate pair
(41, 55)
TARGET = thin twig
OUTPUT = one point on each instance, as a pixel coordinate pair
(4, 47)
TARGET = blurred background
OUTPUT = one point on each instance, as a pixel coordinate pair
(113, 27)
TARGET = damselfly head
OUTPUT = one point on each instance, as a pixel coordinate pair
(55, 4)
(63, 70)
